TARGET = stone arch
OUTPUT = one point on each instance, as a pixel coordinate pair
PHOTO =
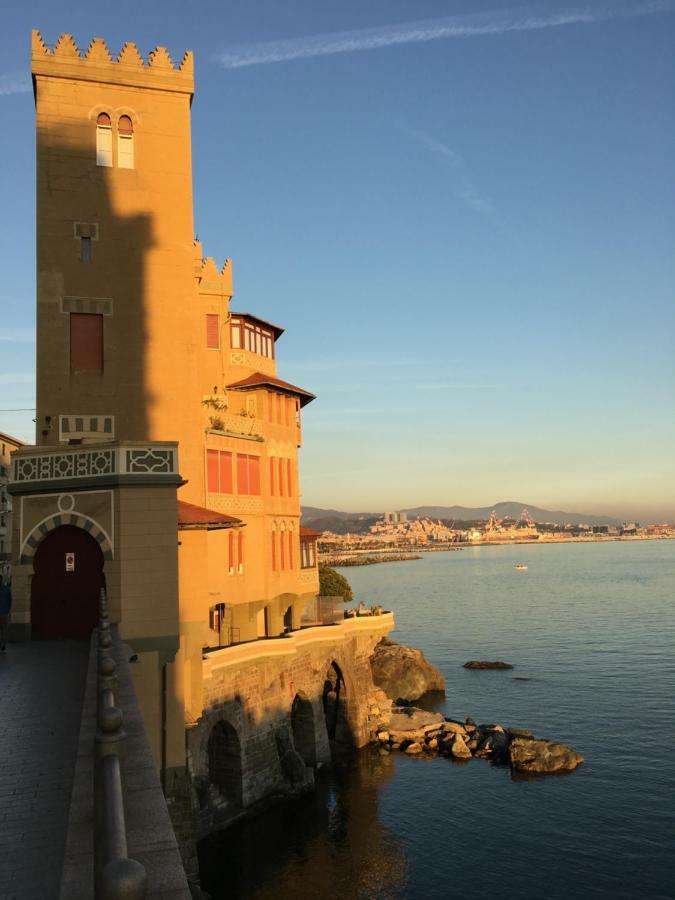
(225, 761)
(335, 698)
(54, 521)
(304, 728)
(230, 713)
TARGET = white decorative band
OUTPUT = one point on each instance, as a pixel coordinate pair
(95, 463)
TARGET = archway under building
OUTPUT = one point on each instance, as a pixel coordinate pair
(302, 725)
(224, 753)
(66, 584)
(335, 710)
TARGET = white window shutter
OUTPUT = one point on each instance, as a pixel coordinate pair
(125, 151)
(103, 146)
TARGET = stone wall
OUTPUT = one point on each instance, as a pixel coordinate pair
(281, 703)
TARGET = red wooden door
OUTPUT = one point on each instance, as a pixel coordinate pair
(66, 586)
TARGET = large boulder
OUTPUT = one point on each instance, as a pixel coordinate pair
(536, 757)
(404, 673)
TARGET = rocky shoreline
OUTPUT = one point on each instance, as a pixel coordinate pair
(338, 561)
(417, 732)
(403, 674)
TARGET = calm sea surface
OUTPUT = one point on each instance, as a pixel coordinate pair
(592, 629)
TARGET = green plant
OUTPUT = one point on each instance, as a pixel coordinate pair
(219, 404)
(216, 423)
(332, 584)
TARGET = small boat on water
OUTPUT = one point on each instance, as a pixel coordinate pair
(520, 567)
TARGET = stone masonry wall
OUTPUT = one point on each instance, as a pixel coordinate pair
(256, 698)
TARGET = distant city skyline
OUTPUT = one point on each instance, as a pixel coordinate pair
(457, 210)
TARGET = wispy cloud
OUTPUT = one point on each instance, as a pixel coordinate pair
(14, 83)
(463, 186)
(17, 336)
(500, 22)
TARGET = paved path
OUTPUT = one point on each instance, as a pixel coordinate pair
(41, 691)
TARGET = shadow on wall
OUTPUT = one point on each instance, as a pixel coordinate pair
(240, 761)
(93, 294)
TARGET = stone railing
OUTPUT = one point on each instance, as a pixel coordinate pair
(97, 832)
(115, 874)
(102, 462)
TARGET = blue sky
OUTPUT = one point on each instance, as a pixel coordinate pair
(462, 212)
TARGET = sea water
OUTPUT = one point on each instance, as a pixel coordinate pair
(590, 630)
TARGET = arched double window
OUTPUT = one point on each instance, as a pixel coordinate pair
(104, 155)
(104, 141)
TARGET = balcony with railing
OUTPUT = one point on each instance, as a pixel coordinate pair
(119, 462)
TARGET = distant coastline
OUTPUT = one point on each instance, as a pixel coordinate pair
(401, 553)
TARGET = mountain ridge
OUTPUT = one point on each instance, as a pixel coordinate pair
(504, 508)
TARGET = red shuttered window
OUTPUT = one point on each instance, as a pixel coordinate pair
(290, 549)
(226, 486)
(289, 477)
(240, 550)
(273, 481)
(282, 551)
(248, 474)
(230, 553)
(282, 486)
(212, 332)
(274, 551)
(219, 472)
(86, 342)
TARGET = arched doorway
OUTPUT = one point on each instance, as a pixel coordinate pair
(66, 585)
(335, 710)
(224, 753)
(302, 724)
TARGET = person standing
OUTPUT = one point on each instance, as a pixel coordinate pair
(5, 609)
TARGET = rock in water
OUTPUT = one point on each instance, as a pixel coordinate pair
(404, 673)
(537, 757)
(481, 664)
(459, 749)
(410, 718)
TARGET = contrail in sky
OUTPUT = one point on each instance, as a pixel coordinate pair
(499, 22)
(462, 184)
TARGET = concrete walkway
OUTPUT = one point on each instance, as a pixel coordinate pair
(41, 691)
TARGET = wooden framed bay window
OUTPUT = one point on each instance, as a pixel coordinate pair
(248, 335)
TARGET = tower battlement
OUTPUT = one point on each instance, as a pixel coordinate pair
(210, 278)
(66, 60)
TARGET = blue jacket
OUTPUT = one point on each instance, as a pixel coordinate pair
(5, 599)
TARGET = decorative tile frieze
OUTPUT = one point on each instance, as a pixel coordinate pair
(253, 361)
(93, 463)
(150, 460)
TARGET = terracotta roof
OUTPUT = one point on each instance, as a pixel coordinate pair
(277, 329)
(191, 516)
(309, 532)
(259, 380)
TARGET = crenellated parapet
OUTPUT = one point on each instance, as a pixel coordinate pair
(97, 63)
(210, 278)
